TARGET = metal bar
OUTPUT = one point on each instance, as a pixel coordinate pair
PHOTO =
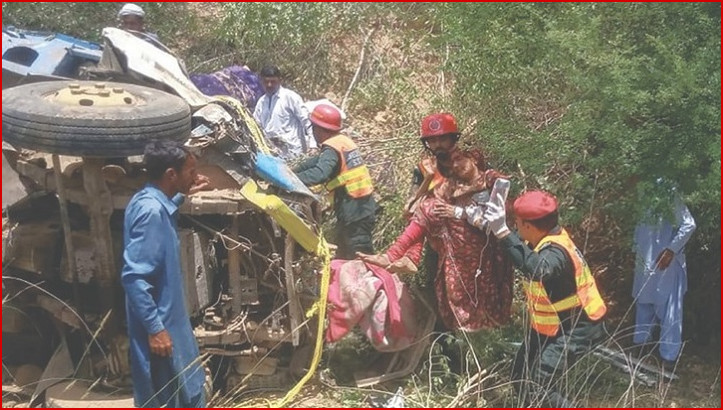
(70, 250)
(295, 313)
(636, 363)
(638, 374)
(227, 238)
(67, 235)
(234, 269)
(100, 208)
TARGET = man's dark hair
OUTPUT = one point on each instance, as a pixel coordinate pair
(547, 222)
(270, 71)
(161, 155)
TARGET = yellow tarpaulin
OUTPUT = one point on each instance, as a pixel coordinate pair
(283, 215)
(305, 236)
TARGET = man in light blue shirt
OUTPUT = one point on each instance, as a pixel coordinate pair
(661, 280)
(283, 117)
(165, 362)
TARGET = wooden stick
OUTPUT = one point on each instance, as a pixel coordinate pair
(345, 100)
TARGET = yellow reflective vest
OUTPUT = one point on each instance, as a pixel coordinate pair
(353, 173)
(543, 313)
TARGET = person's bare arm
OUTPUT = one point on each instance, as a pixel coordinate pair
(202, 183)
(402, 265)
(378, 260)
(664, 258)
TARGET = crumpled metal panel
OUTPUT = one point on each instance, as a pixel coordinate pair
(146, 59)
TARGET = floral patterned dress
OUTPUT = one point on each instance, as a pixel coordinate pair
(474, 277)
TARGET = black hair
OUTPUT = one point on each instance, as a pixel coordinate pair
(547, 222)
(270, 71)
(161, 155)
(454, 135)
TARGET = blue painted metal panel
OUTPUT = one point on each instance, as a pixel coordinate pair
(277, 172)
(32, 53)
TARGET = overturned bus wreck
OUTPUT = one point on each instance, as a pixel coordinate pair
(252, 256)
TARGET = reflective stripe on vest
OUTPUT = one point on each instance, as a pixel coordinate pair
(543, 313)
(353, 173)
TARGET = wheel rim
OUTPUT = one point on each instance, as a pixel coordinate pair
(95, 95)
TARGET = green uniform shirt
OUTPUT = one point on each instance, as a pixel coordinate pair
(551, 266)
(324, 167)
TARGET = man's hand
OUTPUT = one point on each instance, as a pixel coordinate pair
(200, 184)
(161, 343)
(496, 217)
(475, 215)
(444, 210)
(663, 260)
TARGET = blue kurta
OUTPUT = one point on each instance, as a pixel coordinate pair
(155, 301)
(659, 293)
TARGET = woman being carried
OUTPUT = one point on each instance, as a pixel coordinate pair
(474, 281)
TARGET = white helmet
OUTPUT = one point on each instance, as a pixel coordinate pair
(130, 9)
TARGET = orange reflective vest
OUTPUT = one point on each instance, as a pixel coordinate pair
(437, 178)
(543, 313)
(353, 173)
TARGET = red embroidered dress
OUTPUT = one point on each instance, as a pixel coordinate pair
(474, 276)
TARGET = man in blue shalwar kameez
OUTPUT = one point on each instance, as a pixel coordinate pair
(661, 281)
(165, 362)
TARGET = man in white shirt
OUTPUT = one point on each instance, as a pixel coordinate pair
(131, 18)
(661, 280)
(283, 117)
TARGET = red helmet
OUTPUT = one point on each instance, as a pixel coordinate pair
(439, 124)
(327, 117)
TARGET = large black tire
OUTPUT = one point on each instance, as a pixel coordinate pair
(33, 118)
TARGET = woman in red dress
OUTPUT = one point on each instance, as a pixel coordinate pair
(474, 277)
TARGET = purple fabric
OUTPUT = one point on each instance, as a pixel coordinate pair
(236, 81)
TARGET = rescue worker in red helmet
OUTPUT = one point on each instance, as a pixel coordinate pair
(340, 167)
(563, 302)
(439, 132)
(439, 135)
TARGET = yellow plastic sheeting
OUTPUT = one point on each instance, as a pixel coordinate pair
(283, 215)
(302, 233)
(250, 122)
(318, 308)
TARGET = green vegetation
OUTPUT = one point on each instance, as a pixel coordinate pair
(577, 99)
(575, 93)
